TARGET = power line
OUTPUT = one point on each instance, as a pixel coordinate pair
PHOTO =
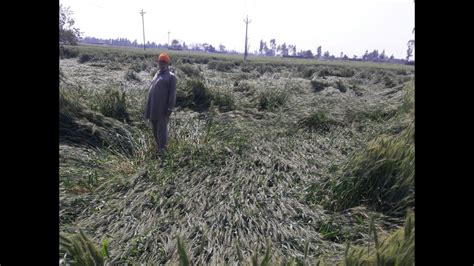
(143, 23)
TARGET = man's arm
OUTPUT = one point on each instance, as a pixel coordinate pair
(172, 95)
(149, 99)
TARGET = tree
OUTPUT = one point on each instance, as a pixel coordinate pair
(319, 52)
(307, 54)
(269, 52)
(411, 46)
(366, 55)
(265, 49)
(290, 48)
(326, 54)
(410, 49)
(261, 47)
(175, 45)
(209, 48)
(284, 49)
(273, 45)
(67, 33)
(221, 48)
(374, 55)
(382, 55)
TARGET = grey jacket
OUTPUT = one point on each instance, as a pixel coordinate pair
(162, 96)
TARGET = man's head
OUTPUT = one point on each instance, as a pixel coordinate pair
(163, 61)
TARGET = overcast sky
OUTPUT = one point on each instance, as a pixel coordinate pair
(347, 26)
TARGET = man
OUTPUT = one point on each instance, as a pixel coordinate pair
(161, 101)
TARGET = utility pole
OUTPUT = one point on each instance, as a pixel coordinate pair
(168, 39)
(246, 28)
(143, 23)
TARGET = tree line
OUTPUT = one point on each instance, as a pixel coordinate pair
(289, 50)
(68, 34)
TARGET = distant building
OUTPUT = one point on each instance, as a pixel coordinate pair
(101, 43)
(177, 47)
(293, 56)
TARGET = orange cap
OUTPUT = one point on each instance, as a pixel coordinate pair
(164, 57)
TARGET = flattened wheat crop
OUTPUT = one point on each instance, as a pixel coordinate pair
(250, 173)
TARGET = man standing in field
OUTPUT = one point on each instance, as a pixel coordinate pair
(161, 101)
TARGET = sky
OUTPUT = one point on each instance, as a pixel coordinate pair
(347, 26)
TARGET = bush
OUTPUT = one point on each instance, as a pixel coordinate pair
(271, 100)
(114, 66)
(201, 95)
(388, 81)
(78, 125)
(184, 61)
(201, 60)
(308, 73)
(81, 250)
(220, 65)
(376, 115)
(396, 249)
(69, 52)
(184, 97)
(401, 72)
(319, 85)
(113, 103)
(408, 104)
(318, 122)
(364, 75)
(130, 75)
(386, 77)
(262, 69)
(194, 94)
(68, 106)
(247, 68)
(343, 72)
(242, 86)
(324, 72)
(224, 101)
(357, 90)
(337, 72)
(189, 70)
(340, 86)
(380, 176)
(84, 58)
(139, 66)
(404, 79)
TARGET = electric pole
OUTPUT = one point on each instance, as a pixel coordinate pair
(246, 28)
(168, 39)
(143, 23)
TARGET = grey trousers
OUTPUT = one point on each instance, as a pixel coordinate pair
(160, 132)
